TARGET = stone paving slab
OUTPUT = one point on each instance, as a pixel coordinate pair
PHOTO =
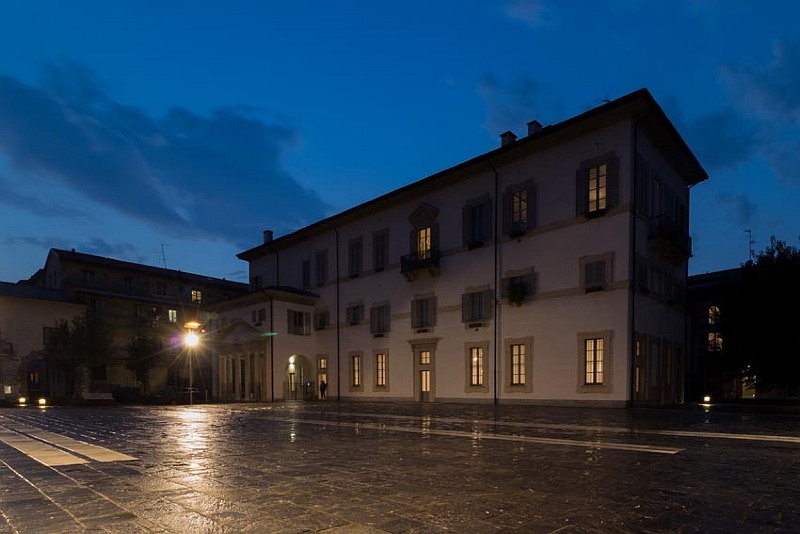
(291, 468)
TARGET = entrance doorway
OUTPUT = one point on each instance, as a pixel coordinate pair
(298, 383)
(424, 371)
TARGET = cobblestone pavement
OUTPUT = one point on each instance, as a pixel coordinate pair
(367, 468)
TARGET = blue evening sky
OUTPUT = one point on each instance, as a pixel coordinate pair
(128, 128)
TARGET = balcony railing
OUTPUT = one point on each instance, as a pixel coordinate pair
(427, 262)
(669, 240)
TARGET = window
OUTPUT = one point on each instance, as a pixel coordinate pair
(423, 245)
(306, 269)
(380, 319)
(597, 186)
(197, 296)
(321, 319)
(594, 361)
(322, 363)
(321, 267)
(518, 286)
(259, 316)
(476, 366)
(475, 370)
(355, 314)
(714, 314)
(714, 342)
(298, 323)
(595, 272)
(172, 315)
(518, 364)
(423, 312)
(355, 375)
(161, 289)
(355, 249)
(128, 285)
(477, 222)
(380, 249)
(424, 357)
(380, 370)
(138, 311)
(518, 205)
(476, 306)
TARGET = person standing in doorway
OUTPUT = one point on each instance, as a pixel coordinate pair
(322, 387)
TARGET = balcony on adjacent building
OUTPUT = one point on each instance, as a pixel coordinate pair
(419, 264)
(667, 239)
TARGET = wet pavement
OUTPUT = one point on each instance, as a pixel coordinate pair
(367, 468)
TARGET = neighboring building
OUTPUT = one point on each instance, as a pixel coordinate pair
(26, 312)
(550, 270)
(138, 301)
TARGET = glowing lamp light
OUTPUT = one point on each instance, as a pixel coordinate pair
(42, 401)
(191, 339)
(707, 398)
(193, 325)
(22, 400)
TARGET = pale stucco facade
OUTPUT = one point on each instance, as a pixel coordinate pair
(589, 217)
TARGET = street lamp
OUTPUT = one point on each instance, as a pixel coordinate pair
(191, 340)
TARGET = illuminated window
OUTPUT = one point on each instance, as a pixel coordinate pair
(425, 357)
(197, 296)
(475, 366)
(173, 316)
(323, 363)
(714, 342)
(598, 186)
(356, 376)
(423, 243)
(518, 364)
(594, 361)
(380, 369)
(714, 314)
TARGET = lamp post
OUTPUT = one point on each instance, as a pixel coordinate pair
(191, 340)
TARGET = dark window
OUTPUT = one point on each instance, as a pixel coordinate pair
(355, 255)
(380, 249)
(423, 312)
(321, 267)
(476, 306)
(379, 319)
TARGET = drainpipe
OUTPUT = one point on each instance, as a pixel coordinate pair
(338, 323)
(496, 296)
(272, 349)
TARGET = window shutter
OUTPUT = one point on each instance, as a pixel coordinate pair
(466, 225)
(507, 209)
(349, 314)
(487, 220)
(373, 320)
(582, 192)
(486, 301)
(612, 194)
(415, 304)
(466, 314)
(531, 188)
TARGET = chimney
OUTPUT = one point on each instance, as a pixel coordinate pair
(506, 138)
(534, 127)
(267, 236)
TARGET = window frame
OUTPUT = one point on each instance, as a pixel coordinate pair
(474, 298)
(356, 371)
(303, 325)
(423, 308)
(512, 225)
(476, 222)
(355, 257)
(527, 385)
(380, 249)
(381, 374)
(321, 267)
(476, 377)
(591, 285)
(583, 184)
(380, 318)
(606, 386)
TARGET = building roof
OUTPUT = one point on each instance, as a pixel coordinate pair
(91, 259)
(639, 106)
(27, 291)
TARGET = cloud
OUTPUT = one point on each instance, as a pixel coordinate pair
(722, 139)
(511, 105)
(740, 209)
(10, 197)
(216, 177)
(95, 245)
(531, 12)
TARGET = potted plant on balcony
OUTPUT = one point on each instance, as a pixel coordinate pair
(517, 292)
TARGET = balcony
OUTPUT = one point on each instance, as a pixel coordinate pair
(419, 264)
(668, 240)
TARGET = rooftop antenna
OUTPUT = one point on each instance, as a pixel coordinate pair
(604, 100)
(163, 255)
(750, 244)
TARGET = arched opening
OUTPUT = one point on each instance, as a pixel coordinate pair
(299, 381)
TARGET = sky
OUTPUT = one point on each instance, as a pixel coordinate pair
(173, 132)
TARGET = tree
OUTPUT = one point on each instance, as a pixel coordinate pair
(144, 354)
(761, 315)
(82, 344)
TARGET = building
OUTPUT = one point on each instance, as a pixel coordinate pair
(550, 270)
(138, 302)
(26, 312)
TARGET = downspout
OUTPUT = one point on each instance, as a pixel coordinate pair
(632, 263)
(496, 295)
(272, 349)
(338, 324)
